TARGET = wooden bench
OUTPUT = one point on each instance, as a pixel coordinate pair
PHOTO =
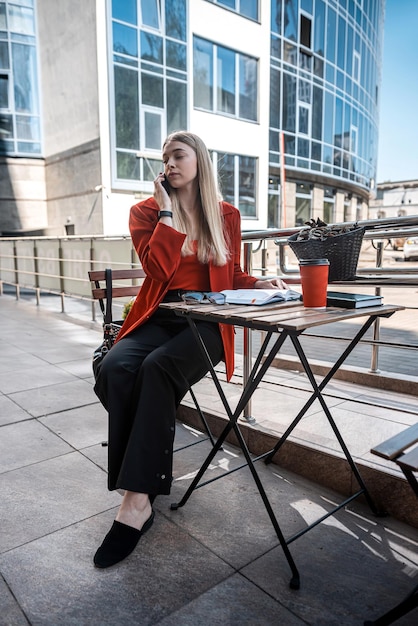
(397, 449)
(130, 289)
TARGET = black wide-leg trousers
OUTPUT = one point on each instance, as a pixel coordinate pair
(141, 382)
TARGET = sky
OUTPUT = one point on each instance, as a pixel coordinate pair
(398, 125)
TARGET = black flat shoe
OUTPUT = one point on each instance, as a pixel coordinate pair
(119, 542)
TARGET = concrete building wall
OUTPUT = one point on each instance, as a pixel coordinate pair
(394, 199)
(70, 113)
(22, 193)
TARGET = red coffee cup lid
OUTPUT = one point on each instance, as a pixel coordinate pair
(313, 262)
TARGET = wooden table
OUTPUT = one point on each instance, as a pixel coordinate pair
(279, 321)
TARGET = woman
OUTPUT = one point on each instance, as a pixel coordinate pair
(186, 240)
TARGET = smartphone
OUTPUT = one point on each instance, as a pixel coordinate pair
(166, 184)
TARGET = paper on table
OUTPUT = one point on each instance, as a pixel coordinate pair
(259, 296)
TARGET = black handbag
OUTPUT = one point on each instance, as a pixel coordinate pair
(110, 328)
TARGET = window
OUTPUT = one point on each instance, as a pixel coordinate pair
(329, 205)
(238, 181)
(150, 12)
(149, 84)
(246, 8)
(20, 129)
(4, 91)
(225, 81)
(356, 66)
(305, 31)
(303, 204)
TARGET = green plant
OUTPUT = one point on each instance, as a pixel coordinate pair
(127, 308)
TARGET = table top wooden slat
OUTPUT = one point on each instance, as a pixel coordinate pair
(290, 316)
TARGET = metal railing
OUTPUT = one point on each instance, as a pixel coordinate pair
(59, 265)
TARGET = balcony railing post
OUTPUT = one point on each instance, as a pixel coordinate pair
(374, 365)
(93, 306)
(36, 270)
(247, 347)
(16, 268)
(61, 272)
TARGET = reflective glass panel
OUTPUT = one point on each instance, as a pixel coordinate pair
(319, 29)
(21, 20)
(176, 105)
(226, 80)
(152, 91)
(289, 102)
(152, 128)
(4, 91)
(126, 108)
(329, 118)
(175, 19)
(27, 127)
(247, 186)
(303, 120)
(291, 19)
(275, 46)
(125, 39)
(176, 55)
(150, 167)
(306, 5)
(151, 47)
(303, 211)
(203, 74)
(226, 175)
(341, 43)
(3, 21)
(247, 88)
(25, 79)
(127, 166)
(331, 33)
(28, 148)
(125, 10)
(303, 148)
(274, 98)
(290, 53)
(249, 8)
(150, 13)
(276, 16)
(338, 131)
(4, 55)
(305, 90)
(317, 113)
(6, 127)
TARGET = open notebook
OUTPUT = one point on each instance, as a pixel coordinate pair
(259, 296)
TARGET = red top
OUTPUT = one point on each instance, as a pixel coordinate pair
(159, 250)
(191, 274)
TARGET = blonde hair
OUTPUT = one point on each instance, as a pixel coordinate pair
(211, 237)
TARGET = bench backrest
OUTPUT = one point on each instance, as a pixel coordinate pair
(99, 291)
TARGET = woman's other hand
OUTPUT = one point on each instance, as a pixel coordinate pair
(274, 283)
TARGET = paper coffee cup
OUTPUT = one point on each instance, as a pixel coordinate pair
(314, 280)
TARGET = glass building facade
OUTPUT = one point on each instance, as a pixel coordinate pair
(324, 62)
(20, 125)
(284, 92)
(324, 94)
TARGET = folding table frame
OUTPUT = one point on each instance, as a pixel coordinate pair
(285, 320)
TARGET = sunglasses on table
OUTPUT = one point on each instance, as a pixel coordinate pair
(201, 297)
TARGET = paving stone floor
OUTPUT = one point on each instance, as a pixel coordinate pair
(215, 561)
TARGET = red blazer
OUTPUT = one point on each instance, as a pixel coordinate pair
(159, 251)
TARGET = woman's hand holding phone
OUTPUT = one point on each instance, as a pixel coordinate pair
(162, 190)
(166, 184)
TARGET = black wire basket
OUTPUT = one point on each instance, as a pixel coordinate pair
(342, 252)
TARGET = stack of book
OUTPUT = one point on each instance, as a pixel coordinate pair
(352, 300)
